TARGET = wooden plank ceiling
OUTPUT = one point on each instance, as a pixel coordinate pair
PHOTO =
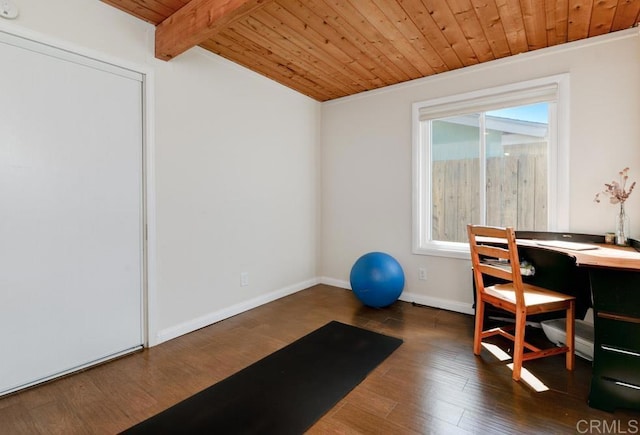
(328, 49)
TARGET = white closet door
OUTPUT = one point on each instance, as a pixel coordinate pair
(70, 212)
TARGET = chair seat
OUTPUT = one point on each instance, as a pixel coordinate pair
(532, 295)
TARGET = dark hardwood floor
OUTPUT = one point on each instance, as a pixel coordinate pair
(432, 384)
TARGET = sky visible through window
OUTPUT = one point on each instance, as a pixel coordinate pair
(533, 113)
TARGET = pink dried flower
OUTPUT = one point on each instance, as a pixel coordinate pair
(616, 189)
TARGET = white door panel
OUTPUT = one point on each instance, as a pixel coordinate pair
(70, 213)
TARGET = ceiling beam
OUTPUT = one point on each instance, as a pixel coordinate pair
(196, 22)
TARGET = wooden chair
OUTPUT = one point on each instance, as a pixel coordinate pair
(514, 296)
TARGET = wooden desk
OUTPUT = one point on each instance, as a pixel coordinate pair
(608, 256)
(614, 283)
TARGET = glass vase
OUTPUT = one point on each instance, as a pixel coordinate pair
(622, 227)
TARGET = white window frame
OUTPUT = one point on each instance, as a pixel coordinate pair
(512, 95)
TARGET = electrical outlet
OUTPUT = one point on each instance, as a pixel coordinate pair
(244, 279)
(422, 274)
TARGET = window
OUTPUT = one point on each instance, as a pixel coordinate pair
(493, 157)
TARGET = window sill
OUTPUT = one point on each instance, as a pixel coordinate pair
(449, 250)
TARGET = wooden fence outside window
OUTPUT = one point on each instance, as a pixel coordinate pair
(516, 194)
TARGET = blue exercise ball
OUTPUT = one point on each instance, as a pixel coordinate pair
(377, 279)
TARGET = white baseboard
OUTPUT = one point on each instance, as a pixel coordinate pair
(445, 304)
(225, 313)
(334, 282)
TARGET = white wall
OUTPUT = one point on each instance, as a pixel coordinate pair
(366, 158)
(235, 164)
(234, 168)
(236, 183)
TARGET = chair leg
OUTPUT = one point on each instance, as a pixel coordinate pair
(477, 334)
(518, 345)
(570, 328)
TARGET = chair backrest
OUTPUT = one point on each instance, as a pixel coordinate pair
(494, 252)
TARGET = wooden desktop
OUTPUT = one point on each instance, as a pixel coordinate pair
(607, 278)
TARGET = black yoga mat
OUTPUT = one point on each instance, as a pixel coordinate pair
(283, 393)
